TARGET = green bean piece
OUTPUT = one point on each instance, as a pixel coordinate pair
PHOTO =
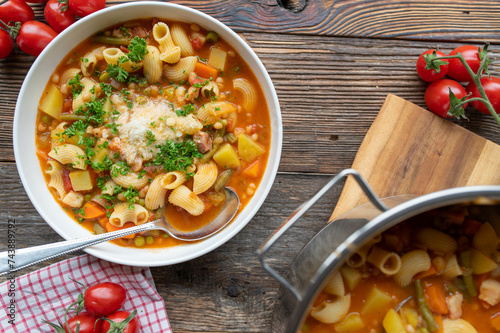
(210, 153)
(98, 229)
(139, 241)
(149, 240)
(223, 179)
(47, 120)
(72, 117)
(465, 260)
(432, 325)
(231, 138)
(212, 37)
(111, 40)
(104, 77)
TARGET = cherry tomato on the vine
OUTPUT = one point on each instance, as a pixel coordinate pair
(16, 11)
(104, 298)
(118, 317)
(87, 323)
(430, 75)
(56, 18)
(437, 96)
(457, 70)
(6, 44)
(34, 36)
(491, 86)
(84, 7)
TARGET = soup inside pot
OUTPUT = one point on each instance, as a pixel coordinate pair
(435, 272)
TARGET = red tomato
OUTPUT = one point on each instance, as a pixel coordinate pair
(457, 70)
(36, 1)
(104, 298)
(87, 323)
(6, 44)
(491, 87)
(56, 18)
(430, 75)
(16, 11)
(118, 317)
(437, 96)
(34, 36)
(85, 7)
(196, 43)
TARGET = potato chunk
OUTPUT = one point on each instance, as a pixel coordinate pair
(226, 157)
(80, 180)
(248, 149)
(52, 102)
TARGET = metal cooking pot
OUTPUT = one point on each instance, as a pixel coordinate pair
(328, 249)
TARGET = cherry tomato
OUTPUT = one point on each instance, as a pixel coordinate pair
(16, 11)
(85, 7)
(118, 317)
(431, 75)
(104, 298)
(491, 87)
(56, 18)
(87, 323)
(437, 96)
(6, 44)
(34, 36)
(457, 70)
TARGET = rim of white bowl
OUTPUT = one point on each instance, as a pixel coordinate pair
(24, 132)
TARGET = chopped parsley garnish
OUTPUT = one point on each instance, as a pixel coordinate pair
(77, 128)
(120, 168)
(151, 137)
(176, 155)
(137, 49)
(131, 194)
(186, 109)
(113, 127)
(92, 111)
(76, 85)
(105, 164)
(117, 72)
(107, 88)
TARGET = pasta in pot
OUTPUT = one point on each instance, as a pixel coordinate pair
(145, 123)
(431, 273)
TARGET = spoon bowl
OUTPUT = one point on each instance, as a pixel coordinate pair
(34, 255)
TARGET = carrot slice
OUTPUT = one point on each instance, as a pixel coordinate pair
(435, 299)
(92, 211)
(252, 170)
(430, 272)
(205, 71)
(110, 227)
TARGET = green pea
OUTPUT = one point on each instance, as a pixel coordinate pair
(149, 240)
(141, 202)
(139, 241)
(47, 120)
(212, 37)
(87, 197)
(165, 235)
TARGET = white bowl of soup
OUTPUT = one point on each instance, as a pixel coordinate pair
(143, 109)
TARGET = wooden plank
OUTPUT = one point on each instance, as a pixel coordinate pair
(411, 151)
(412, 19)
(330, 90)
(223, 291)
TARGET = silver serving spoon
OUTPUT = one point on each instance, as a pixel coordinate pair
(34, 255)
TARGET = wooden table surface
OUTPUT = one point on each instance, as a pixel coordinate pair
(332, 62)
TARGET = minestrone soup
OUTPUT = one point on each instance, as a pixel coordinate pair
(436, 272)
(151, 117)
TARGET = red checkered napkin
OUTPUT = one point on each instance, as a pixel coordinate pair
(45, 294)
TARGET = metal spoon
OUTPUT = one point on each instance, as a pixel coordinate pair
(33, 255)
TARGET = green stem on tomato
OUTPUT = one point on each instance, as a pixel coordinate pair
(476, 78)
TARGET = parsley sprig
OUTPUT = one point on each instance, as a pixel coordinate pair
(176, 155)
(138, 49)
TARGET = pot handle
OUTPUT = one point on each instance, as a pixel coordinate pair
(273, 238)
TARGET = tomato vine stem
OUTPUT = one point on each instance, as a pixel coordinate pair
(476, 78)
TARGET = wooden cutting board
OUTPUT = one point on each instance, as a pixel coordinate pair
(409, 150)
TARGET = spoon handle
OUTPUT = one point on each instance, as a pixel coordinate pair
(14, 260)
